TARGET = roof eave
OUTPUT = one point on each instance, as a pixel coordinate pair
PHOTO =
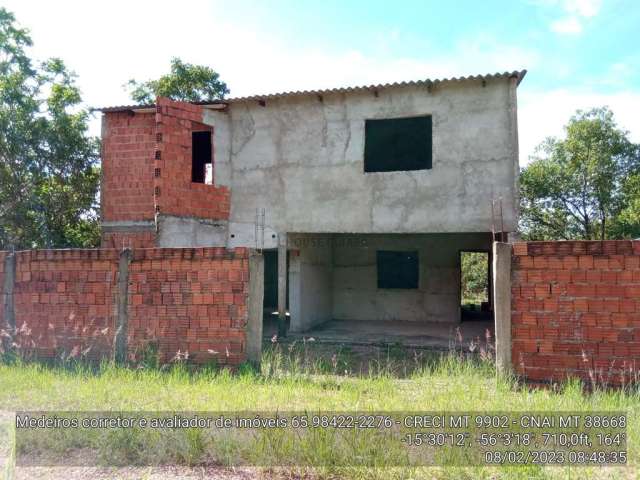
(222, 104)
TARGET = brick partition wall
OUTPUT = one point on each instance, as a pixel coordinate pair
(189, 300)
(576, 310)
(63, 301)
(128, 145)
(175, 193)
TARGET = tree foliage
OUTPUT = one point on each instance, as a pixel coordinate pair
(584, 186)
(186, 82)
(49, 173)
(474, 277)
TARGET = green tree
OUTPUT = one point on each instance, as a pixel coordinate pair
(578, 187)
(627, 223)
(49, 172)
(186, 82)
(474, 277)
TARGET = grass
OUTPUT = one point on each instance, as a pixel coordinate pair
(305, 377)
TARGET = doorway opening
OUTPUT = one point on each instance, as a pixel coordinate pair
(475, 285)
(270, 302)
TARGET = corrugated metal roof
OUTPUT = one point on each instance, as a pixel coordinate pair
(518, 74)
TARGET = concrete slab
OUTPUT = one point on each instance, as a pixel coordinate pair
(426, 335)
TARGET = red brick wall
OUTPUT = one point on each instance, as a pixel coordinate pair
(576, 310)
(175, 194)
(64, 301)
(188, 300)
(119, 240)
(128, 143)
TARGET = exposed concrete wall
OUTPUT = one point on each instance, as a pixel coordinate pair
(355, 292)
(178, 232)
(301, 158)
(310, 280)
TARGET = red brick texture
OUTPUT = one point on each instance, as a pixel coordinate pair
(64, 301)
(128, 144)
(188, 300)
(576, 310)
(175, 193)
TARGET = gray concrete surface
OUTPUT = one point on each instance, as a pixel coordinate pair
(176, 232)
(437, 298)
(502, 302)
(121, 335)
(256, 295)
(436, 336)
(310, 280)
(302, 160)
(335, 277)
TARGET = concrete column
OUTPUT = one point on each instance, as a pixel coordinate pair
(256, 298)
(294, 285)
(502, 304)
(8, 300)
(282, 284)
(122, 304)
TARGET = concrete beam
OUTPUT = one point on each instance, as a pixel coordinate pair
(502, 304)
(256, 298)
(8, 300)
(122, 303)
(282, 284)
(128, 226)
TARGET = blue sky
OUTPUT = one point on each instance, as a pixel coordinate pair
(579, 53)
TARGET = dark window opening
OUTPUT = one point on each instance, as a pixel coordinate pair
(201, 157)
(397, 144)
(270, 298)
(397, 269)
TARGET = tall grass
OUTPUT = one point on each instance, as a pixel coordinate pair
(312, 377)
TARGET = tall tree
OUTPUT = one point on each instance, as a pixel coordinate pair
(577, 187)
(49, 172)
(186, 82)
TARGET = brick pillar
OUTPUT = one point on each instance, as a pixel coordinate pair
(9, 314)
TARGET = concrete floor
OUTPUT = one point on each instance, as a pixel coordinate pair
(436, 336)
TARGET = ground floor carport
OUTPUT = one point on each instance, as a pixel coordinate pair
(376, 289)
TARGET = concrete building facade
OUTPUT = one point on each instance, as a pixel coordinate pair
(366, 194)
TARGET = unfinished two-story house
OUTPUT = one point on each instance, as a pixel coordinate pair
(362, 199)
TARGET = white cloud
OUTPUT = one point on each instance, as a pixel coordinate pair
(568, 25)
(576, 11)
(584, 8)
(108, 43)
(544, 113)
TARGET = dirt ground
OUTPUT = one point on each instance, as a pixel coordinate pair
(140, 473)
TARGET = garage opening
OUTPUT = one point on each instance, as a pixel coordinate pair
(374, 289)
(475, 278)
